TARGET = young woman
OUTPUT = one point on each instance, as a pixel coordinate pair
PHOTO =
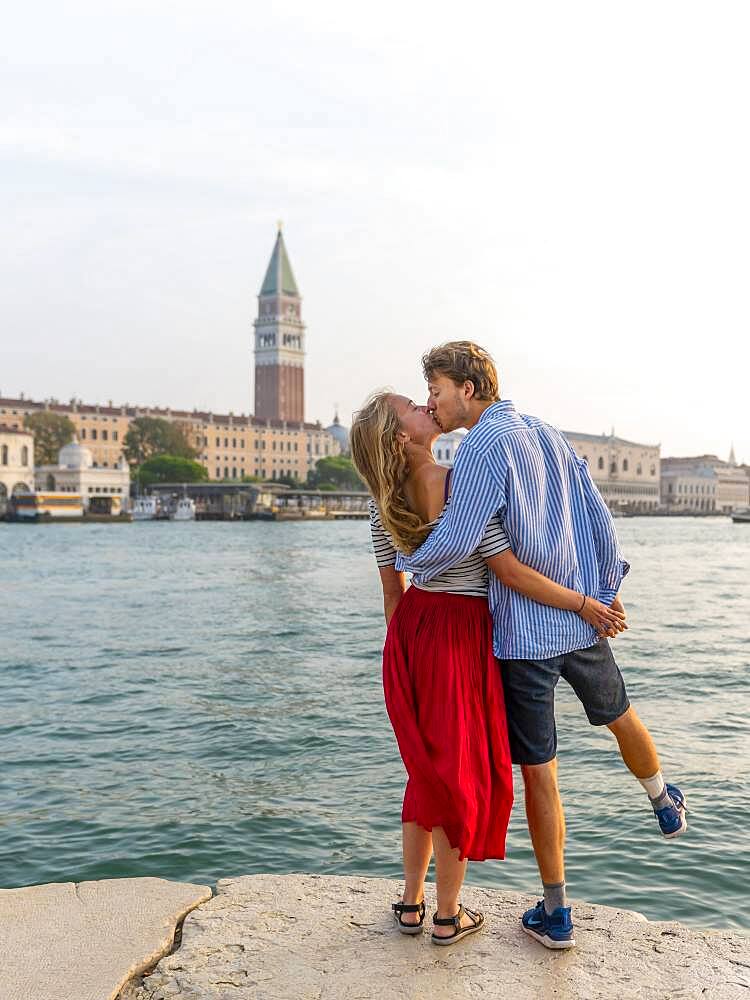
(443, 689)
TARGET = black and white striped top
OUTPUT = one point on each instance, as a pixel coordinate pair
(469, 577)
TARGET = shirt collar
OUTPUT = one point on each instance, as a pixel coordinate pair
(502, 406)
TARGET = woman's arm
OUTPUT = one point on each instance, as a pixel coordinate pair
(524, 579)
(394, 585)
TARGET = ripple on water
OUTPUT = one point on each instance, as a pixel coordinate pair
(208, 723)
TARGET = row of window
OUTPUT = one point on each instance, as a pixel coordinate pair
(234, 473)
(624, 489)
(93, 434)
(692, 488)
(5, 455)
(625, 466)
(51, 487)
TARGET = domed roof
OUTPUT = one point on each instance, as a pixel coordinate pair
(340, 433)
(75, 456)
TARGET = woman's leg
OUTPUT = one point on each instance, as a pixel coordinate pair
(417, 846)
(449, 876)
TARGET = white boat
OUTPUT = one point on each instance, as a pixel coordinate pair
(145, 509)
(741, 516)
(184, 511)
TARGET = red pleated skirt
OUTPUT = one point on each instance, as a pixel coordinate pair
(444, 697)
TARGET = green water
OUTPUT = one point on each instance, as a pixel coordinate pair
(202, 700)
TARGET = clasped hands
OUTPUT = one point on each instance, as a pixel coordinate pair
(608, 621)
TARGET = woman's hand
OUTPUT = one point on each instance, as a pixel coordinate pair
(607, 621)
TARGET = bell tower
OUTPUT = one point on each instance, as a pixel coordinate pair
(279, 342)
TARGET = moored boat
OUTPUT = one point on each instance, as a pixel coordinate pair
(741, 516)
(145, 509)
(184, 511)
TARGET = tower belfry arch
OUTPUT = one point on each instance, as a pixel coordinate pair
(279, 342)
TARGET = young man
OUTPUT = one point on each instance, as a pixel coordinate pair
(557, 523)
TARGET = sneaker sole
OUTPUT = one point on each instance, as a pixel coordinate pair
(549, 942)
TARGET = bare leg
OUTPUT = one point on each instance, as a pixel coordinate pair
(636, 746)
(417, 847)
(546, 820)
(449, 876)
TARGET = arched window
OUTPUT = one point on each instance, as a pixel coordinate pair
(624, 465)
(639, 469)
(653, 470)
(4, 454)
(613, 468)
(24, 455)
(50, 484)
(600, 463)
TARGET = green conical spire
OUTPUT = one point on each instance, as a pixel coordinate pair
(279, 278)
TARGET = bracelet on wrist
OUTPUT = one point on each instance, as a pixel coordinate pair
(583, 604)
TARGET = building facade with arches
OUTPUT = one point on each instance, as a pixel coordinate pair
(16, 463)
(627, 473)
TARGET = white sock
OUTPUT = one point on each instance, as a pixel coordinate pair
(655, 789)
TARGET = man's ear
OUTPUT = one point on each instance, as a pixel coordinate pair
(469, 389)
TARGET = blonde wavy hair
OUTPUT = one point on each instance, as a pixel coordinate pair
(380, 459)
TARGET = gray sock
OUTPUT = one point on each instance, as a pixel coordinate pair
(663, 800)
(554, 896)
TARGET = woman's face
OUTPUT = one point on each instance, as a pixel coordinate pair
(416, 422)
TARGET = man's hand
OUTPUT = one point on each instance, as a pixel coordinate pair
(616, 605)
(608, 621)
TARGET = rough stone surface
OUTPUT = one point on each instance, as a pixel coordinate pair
(86, 940)
(306, 937)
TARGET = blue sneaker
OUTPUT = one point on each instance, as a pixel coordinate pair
(671, 818)
(554, 930)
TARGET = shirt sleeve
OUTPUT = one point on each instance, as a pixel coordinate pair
(385, 551)
(494, 540)
(477, 494)
(612, 566)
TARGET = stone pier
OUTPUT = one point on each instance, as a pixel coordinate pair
(308, 937)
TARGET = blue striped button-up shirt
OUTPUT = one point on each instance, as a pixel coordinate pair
(557, 522)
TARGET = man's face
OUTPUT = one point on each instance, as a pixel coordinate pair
(448, 402)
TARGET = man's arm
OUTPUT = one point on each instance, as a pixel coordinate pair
(612, 567)
(477, 493)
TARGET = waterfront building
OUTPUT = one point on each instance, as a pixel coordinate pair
(279, 343)
(704, 484)
(626, 473)
(274, 442)
(229, 446)
(446, 446)
(16, 463)
(76, 473)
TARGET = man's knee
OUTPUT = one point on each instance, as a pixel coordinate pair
(624, 721)
(540, 775)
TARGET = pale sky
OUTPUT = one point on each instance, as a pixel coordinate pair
(566, 183)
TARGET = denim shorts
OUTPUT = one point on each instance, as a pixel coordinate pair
(530, 697)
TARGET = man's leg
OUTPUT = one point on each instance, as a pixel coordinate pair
(596, 679)
(636, 746)
(529, 687)
(546, 820)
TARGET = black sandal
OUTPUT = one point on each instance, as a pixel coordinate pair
(459, 932)
(398, 911)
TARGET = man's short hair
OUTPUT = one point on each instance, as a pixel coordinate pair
(463, 361)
